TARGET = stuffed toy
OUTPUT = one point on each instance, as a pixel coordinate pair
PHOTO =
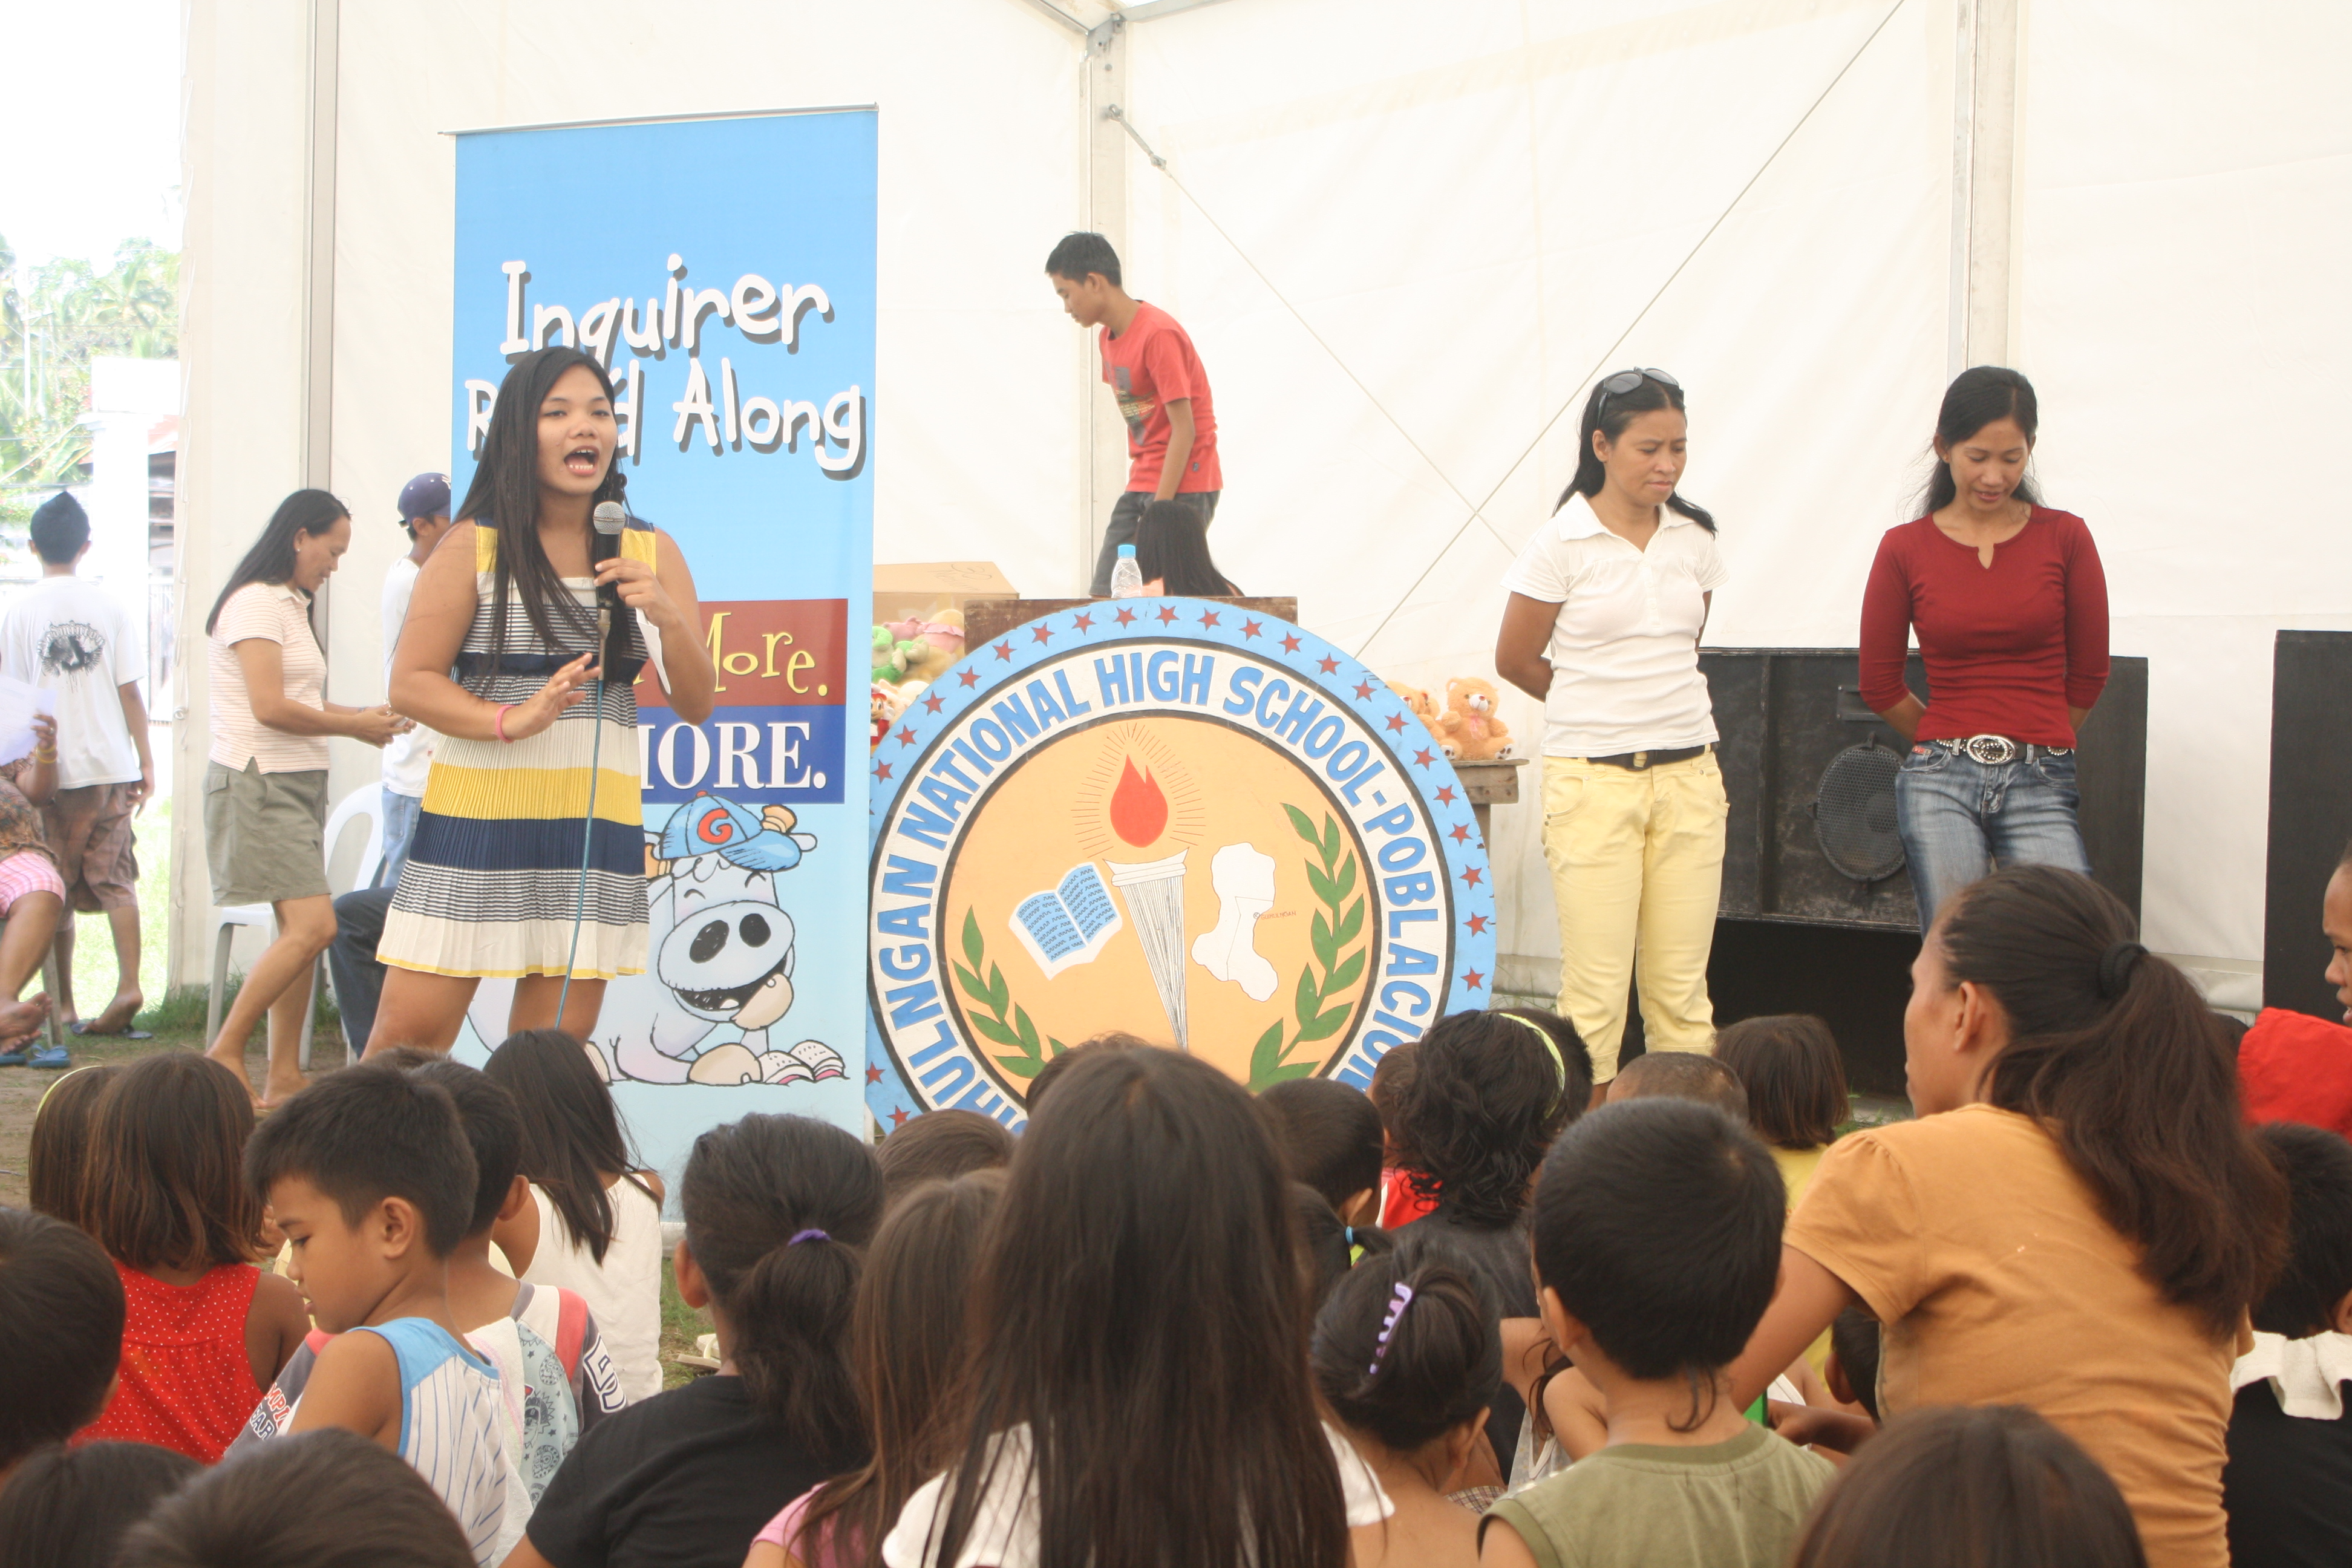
(882, 706)
(1470, 728)
(890, 655)
(1415, 698)
(930, 646)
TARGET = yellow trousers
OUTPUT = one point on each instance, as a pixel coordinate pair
(1637, 872)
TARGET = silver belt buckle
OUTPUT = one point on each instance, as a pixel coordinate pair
(1990, 750)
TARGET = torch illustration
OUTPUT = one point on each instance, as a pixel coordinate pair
(1154, 888)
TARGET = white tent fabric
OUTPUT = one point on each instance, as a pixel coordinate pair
(1405, 237)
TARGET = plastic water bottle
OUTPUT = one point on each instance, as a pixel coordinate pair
(1126, 576)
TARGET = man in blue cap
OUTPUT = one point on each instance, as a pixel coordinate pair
(424, 513)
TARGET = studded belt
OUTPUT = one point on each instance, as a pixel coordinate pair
(1994, 750)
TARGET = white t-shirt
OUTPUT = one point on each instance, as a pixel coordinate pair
(1624, 650)
(623, 1292)
(273, 612)
(408, 757)
(1005, 1531)
(74, 639)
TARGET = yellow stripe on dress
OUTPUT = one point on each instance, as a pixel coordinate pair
(520, 794)
(637, 544)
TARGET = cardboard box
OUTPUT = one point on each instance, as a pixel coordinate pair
(925, 587)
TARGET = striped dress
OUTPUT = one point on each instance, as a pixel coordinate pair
(493, 877)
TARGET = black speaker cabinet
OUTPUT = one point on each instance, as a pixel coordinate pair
(2311, 813)
(1783, 713)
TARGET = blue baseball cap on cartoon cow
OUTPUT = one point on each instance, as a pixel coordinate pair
(709, 826)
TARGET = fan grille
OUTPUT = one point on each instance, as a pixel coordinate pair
(1854, 813)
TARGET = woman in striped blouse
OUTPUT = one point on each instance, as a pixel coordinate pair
(499, 654)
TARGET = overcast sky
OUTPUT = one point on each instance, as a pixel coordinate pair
(92, 126)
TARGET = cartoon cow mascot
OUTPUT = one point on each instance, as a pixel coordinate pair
(722, 953)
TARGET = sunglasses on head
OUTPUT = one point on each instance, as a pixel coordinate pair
(1625, 380)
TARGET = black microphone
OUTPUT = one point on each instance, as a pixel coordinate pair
(609, 518)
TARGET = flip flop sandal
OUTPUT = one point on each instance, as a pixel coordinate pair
(55, 1056)
(82, 1026)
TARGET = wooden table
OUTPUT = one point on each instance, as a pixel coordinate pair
(1489, 784)
(985, 620)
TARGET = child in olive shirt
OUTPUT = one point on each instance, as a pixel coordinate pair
(1658, 1243)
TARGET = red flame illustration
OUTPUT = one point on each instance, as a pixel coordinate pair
(1137, 810)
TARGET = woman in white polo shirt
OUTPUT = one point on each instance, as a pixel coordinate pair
(266, 782)
(1607, 603)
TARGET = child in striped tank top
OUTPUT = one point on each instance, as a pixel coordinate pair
(370, 1176)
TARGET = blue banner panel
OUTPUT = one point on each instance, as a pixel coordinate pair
(735, 313)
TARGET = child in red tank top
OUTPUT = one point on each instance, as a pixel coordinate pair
(163, 1191)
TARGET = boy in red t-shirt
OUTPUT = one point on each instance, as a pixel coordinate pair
(1162, 391)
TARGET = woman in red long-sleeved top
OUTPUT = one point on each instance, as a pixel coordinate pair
(2011, 606)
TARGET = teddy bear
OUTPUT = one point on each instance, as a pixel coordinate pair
(1470, 728)
(930, 646)
(882, 706)
(891, 655)
(1418, 701)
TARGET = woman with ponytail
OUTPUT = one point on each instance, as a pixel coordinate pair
(509, 874)
(2010, 604)
(1406, 1355)
(1607, 603)
(778, 1212)
(2078, 1222)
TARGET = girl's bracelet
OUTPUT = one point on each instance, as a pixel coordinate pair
(48, 756)
(499, 723)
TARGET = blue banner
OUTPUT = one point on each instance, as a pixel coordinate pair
(723, 271)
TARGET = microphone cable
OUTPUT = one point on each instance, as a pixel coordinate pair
(608, 519)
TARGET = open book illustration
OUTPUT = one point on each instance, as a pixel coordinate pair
(811, 1062)
(1069, 924)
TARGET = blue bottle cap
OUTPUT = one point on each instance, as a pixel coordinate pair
(1127, 552)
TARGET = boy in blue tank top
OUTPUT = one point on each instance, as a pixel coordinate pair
(370, 1176)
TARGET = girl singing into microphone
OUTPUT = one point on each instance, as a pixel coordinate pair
(499, 653)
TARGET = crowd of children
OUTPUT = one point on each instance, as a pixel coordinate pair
(2104, 1320)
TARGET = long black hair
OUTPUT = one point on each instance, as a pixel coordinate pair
(1623, 407)
(1489, 1093)
(2115, 1053)
(1171, 545)
(570, 1128)
(271, 559)
(1977, 396)
(504, 495)
(1139, 1307)
(778, 1212)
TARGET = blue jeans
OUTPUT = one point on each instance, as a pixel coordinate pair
(1961, 819)
(400, 814)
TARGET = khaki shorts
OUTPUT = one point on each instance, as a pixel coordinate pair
(264, 833)
(88, 829)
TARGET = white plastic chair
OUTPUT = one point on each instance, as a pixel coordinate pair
(365, 804)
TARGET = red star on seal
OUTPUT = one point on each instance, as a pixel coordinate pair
(1290, 644)
(969, 677)
(1167, 613)
(874, 1075)
(1447, 795)
(934, 702)
(1251, 628)
(1460, 832)
(1363, 690)
(897, 1116)
(1082, 623)
(1470, 876)
(1473, 979)
(1005, 650)
(1208, 617)
(1422, 759)
(1327, 664)
(907, 736)
(1042, 632)
(1127, 617)
(1396, 721)
(882, 772)
(1477, 924)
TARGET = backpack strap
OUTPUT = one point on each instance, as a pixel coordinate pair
(571, 1332)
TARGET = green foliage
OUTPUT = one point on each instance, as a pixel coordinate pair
(53, 318)
(1018, 1032)
(1332, 875)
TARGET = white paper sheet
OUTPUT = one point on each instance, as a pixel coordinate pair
(18, 704)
